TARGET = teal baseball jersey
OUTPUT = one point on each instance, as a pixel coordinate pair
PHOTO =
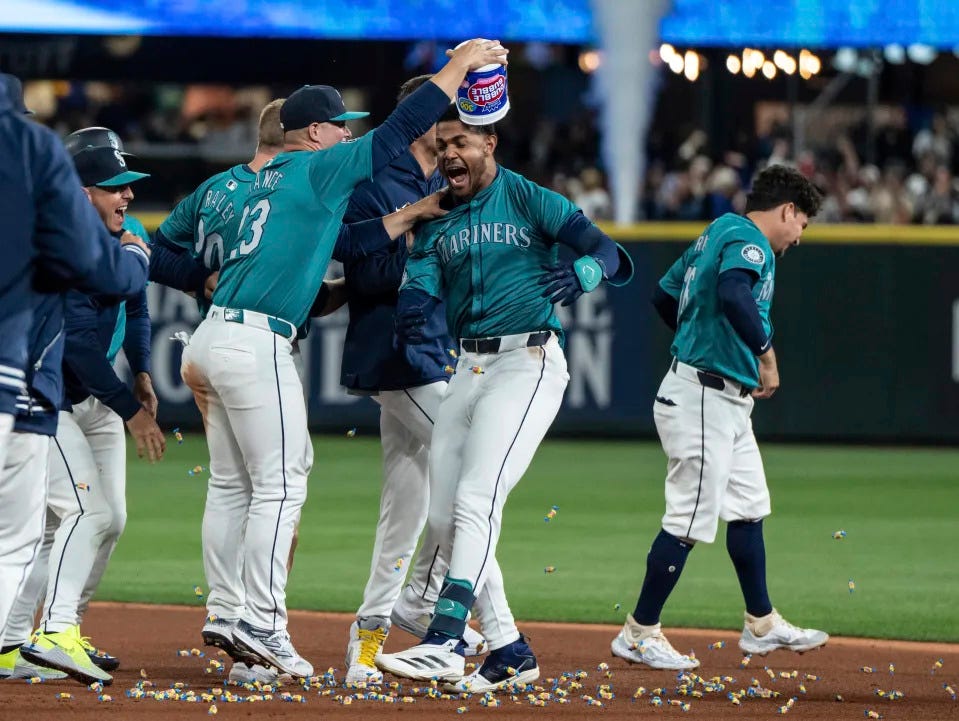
(704, 337)
(209, 218)
(288, 229)
(134, 226)
(485, 258)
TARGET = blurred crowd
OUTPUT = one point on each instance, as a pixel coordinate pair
(910, 179)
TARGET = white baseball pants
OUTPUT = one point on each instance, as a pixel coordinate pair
(23, 500)
(406, 430)
(6, 428)
(714, 469)
(246, 382)
(494, 416)
(20, 623)
(87, 492)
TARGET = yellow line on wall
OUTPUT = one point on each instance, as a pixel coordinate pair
(848, 234)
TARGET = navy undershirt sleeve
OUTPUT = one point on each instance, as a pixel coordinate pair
(739, 306)
(666, 306)
(137, 343)
(582, 235)
(355, 241)
(174, 267)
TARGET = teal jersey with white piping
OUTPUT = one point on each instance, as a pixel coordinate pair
(485, 258)
(288, 228)
(704, 336)
(209, 218)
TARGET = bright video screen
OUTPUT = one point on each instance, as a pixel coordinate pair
(813, 23)
(567, 21)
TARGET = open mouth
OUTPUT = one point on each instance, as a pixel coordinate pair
(458, 176)
(121, 213)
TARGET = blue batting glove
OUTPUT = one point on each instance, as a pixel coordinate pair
(562, 285)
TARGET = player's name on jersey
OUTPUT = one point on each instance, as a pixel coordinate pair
(450, 245)
(221, 203)
(267, 179)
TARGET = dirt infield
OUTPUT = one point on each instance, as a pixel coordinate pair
(148, 638)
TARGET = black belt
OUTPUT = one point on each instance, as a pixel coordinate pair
(491, 345)
(711, 380)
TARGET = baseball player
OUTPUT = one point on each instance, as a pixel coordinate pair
(408, 391)
(44, 207)
(32, 594)
(486, 259)
(717, 298)
(88, 461)
(267, 287)
(198, 229)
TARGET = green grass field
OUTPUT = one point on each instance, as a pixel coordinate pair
(898, 507)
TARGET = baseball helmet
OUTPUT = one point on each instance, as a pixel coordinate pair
(95, 137)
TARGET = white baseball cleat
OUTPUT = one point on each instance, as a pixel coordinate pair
(13, 665)
(272, 648)
(257, 673)
(648, 645)
(772, 632)
(218, 632)
(416, 623)
(441, 661)
(365, 646)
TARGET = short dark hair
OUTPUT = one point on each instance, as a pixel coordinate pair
(452, 114)
(780, 184)
(411, 85)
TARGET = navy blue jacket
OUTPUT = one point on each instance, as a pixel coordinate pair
(52, 239)
(370, 361)
(90, 322)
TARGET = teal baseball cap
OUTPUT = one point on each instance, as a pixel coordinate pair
(104, 168)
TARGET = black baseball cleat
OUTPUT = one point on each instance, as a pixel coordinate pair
(99, 657)
(505, 668)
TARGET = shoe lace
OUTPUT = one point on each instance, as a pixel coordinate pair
(371, 641)
(87, 645)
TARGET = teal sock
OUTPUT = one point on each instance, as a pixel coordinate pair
(452, 607)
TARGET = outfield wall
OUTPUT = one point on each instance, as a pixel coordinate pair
(867, 335)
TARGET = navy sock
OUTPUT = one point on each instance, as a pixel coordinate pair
(664, 564)
(744, 542)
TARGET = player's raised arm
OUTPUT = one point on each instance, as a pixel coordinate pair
(426, 105)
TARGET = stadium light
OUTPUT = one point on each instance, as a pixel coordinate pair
(676, 63)
(810, 64)
(894, 54)
(691, 65)
(589, 61)
(666, 53)
(785, 62)
(733, 64)
(769, 70)
(921, 54)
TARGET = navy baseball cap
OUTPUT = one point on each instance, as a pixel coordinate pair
(95, 137)
(105, 168)
(14, 89)
(314, 104)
